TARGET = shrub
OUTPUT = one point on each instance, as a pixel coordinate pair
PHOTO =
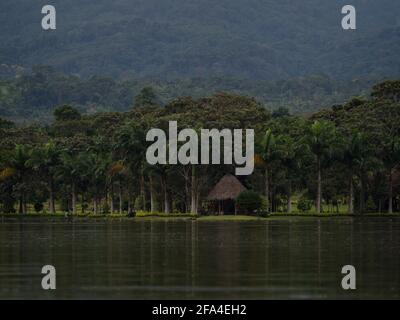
(106, 208)
(304, 205)
(64, 205)
(370, 205)
(248, 201)
(66, 113)
(38, 206)
(138, 203)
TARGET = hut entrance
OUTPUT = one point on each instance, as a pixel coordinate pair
(222, 197)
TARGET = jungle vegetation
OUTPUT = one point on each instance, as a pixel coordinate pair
(347, 155)
(31, 95)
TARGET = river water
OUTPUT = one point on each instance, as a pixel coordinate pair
(296, 258)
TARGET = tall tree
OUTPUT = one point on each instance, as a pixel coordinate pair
(268, 154)
(355, 151)
(71, 170)
(18, 163)
(146, 97)
(391, 160)
(45, 160)
(321, 137)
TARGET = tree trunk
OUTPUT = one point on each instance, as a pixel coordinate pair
(362, 194)
(112, 198)
(165, 192)
(289, 196)
(129, 197)
(83, 203)
(120, 196)
(187, 192)
(21, 205)
(390, 208)
(193, 207)
(95, 205)
(142, 192)
(351, 196)
(74, 198)
(52, 207)
(152, 203)
(267, 189)
(25, 205)
(319, 187)
(166, 200)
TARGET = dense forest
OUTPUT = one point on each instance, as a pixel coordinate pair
(30, 96)
(173, 39)
(343, 156)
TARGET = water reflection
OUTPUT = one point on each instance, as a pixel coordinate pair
(296, 258)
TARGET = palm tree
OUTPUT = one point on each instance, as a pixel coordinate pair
(118, 171)
(288, 151)
(96, 167)
(320, 139)
(391, 158)
(355, 151)
(71, 171)
(45, 160)
(18, 164)
(128, 146)
(267, 154)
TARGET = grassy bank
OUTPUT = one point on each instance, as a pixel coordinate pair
(187, 216)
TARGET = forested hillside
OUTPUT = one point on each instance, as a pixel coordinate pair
(33, 95)
(169, 39)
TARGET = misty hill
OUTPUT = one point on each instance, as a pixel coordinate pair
(170, 39)
(33, 95)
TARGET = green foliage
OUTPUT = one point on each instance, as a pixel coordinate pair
(138, 203)
(34, 96)
(248, 201)
(322, 138)
(370, 205)
(146, 97)
(66, 113)
(182, 38)
(5, 124)
(281, 112)
(93, 156)
(106, 208)
(387, 90)
(38, 206)
(304, 205)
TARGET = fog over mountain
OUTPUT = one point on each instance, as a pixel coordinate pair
(170, 39)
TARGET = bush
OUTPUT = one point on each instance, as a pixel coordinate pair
(248, 201)
(7, 205)
(304, 205)
(370, 205)
(138, 203)
(38, 206)
(106, 208)
(64, 205)
(66, 113)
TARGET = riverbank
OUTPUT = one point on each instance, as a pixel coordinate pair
(185, 216)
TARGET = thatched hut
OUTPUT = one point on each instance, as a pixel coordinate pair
(222, 196)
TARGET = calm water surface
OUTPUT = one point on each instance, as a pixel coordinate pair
(297, 258)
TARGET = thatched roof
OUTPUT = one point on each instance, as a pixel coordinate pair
(229, 187)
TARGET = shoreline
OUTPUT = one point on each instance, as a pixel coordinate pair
(210, 218)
